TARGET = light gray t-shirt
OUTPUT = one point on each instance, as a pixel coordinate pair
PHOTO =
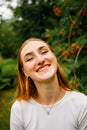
(70, 113)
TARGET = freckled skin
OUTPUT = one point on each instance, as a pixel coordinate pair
(39, 62)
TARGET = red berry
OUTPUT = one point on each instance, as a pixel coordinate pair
(73, 33)
(72, 52)
(57, 10)
(84, 12)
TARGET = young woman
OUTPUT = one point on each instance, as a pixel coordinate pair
(44, 99)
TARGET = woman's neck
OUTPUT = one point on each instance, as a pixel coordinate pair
(49, 92)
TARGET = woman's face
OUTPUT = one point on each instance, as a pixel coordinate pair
(39, 62)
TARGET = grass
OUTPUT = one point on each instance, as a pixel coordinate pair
(6, 98)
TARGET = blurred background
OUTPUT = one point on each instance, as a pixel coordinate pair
(61, 23)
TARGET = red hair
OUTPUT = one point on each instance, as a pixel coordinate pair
(26, 87)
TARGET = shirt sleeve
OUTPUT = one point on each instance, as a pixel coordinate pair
(16, 119)
(82, 119)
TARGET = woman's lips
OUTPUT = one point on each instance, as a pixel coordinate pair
(43, 68)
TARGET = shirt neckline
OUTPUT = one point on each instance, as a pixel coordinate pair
(57, 103)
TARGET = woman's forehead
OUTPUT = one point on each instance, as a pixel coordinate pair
(33, 45)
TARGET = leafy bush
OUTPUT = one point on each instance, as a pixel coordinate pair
(69, 41)
(8, 72)
(63, 24)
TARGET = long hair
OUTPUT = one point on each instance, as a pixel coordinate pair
(26, 87)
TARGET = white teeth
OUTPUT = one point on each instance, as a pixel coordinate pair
(43, 69)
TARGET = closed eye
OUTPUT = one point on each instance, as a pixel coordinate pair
(29, 59)
(44, 51)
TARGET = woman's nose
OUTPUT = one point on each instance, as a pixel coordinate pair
(40, 60)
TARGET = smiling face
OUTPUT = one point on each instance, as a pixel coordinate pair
(39, 62)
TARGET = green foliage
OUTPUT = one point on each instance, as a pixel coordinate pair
(31, 19)
(8, 73)
(63, 24)
(6, 100)
(69, 41)
(8, 42)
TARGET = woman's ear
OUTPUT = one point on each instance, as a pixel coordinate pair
(25, 72)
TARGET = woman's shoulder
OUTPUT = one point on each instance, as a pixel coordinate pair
(18, 104)
(15, 105)
(79, 95)
(78, 98)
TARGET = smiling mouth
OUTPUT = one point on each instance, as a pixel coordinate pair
(43, 68)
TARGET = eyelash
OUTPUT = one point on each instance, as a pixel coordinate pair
(29, 59)
(45, 51)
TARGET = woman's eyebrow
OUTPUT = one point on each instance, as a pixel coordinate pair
(29, 53)
(41, 47)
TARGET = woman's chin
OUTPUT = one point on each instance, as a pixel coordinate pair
(46, 76)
